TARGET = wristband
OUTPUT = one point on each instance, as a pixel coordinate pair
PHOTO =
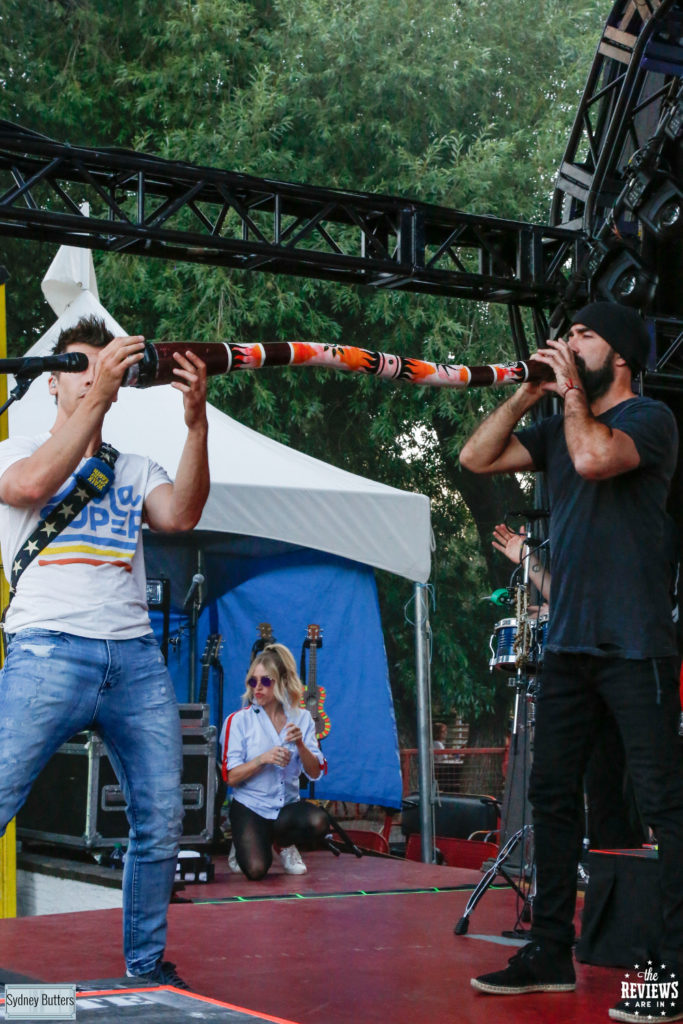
(571, 386)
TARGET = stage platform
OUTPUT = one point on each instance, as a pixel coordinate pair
(365, 940)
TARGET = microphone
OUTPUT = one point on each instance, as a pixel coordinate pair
(33, 366)
(531, 513)
(197, 581)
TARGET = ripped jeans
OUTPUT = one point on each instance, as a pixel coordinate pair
(55, 684)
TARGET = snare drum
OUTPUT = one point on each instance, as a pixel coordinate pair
(502, 643)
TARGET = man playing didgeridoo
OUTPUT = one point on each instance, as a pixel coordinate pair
(609, 458)
(81, 652)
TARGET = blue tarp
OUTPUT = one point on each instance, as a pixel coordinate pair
(291, 589)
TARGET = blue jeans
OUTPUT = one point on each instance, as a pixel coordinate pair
(643, 697)
(55, 684)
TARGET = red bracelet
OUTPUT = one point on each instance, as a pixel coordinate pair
(571, 386)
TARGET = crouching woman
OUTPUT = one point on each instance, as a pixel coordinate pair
(266, 747)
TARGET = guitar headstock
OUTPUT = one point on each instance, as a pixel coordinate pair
(212, 648)
(314, 635)
(266, 633)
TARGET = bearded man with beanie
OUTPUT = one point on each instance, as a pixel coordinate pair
(609, 458)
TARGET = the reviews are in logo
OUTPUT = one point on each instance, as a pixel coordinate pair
(649, 992)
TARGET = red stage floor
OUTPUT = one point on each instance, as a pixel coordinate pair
(351, 941)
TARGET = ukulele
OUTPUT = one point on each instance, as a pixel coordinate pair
(212, 649)
(314, 696)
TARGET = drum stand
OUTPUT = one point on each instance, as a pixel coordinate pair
(490, 876)
(523, 837)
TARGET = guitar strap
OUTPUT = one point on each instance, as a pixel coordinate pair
(302, 663)
(93, 480)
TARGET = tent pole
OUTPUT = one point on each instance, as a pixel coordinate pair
(424, 719)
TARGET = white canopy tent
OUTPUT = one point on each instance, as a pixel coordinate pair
(258, 487)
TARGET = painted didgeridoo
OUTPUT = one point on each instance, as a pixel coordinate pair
(158, 363)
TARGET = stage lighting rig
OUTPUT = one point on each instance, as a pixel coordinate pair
(662, 212)
(616, 272)
(652, 193)
(655, 199)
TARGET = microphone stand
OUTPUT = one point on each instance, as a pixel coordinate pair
(194, 616)
(23, 383)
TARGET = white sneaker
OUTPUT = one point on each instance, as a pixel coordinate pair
(292, 864)
(232, 862)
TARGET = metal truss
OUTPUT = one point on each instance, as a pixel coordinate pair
(147, 206)
(633, 82)
(627, 135)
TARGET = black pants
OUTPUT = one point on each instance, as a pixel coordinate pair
(613, 819)
(300, 824)
(573, 693)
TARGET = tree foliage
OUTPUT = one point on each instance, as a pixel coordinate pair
(464, 104)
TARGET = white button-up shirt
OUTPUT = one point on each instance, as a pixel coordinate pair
(250, 732)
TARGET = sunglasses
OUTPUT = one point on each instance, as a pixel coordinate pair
(264, 681)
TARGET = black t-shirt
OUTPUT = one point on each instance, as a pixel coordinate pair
(612, 542)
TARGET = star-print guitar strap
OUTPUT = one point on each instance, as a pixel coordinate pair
(92, 481)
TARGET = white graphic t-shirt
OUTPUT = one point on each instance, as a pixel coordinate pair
(90, 579)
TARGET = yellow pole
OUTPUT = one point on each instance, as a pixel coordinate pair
(8, 844)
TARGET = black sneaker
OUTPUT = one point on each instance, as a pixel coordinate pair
(536, 968)
(163, 974)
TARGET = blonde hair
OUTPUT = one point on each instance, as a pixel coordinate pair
(278, 661)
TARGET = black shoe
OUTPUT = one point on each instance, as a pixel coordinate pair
(628, 1010)
(640, 1012)
(536, 968)
(163, 974)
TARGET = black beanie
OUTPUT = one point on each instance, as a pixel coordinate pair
(622, 328)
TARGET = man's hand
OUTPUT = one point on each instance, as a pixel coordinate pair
(561, 360)
(191, 374)
(508, 542)
(113, 362)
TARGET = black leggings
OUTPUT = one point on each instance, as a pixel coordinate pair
(299, 824)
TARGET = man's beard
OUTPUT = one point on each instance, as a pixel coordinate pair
(596, 383)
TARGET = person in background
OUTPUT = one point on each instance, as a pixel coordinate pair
(266, 747)
(440, 734)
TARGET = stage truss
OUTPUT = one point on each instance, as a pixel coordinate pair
(625, 141)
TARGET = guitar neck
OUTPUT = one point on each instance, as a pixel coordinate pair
(204, 683)
(311, 685)
(209, 658)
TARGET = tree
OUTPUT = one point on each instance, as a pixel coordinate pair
(467, 105)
